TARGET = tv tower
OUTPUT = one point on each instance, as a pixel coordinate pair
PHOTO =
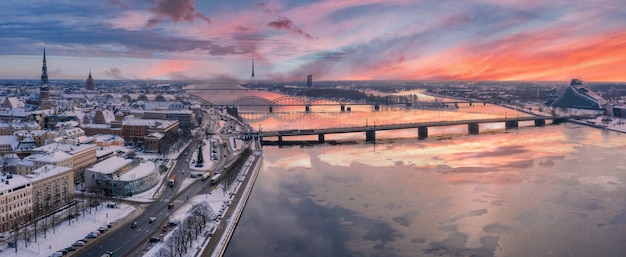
(252, 78)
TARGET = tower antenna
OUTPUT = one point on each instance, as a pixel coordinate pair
(252, 78)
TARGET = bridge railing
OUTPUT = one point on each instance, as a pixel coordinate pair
(404, 125)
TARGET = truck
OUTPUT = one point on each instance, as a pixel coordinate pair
(206, 175)
(172, 180)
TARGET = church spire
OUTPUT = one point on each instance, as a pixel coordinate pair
(89, 85)
(44, 69)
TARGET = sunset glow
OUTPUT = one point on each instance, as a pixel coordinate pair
(333, 40)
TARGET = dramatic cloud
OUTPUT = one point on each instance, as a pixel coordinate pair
(348, 39)
(287, 24)
(178, 10)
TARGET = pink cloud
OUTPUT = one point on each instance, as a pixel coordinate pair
(287, 24)
(178, 10)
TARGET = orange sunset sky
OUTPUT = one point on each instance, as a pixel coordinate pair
(331, 39)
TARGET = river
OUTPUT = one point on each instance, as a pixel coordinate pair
(556, 190)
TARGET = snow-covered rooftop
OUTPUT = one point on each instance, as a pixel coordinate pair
(49, 157)
(148, 122)
(110, 165)
(103, 151)
(14, 181)
(9, 140)
(69, 148)
(46, 171)
(144, 169)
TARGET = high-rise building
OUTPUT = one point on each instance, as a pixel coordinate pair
(44, 89)
(89, 86)
(309, 81)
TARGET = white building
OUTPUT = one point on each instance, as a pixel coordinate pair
(120, 176)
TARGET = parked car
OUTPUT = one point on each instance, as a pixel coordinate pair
(79, 243)
(154, 239)
(91, 235)
(70, 248)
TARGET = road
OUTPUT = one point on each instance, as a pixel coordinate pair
(123, 240)
(213, 244)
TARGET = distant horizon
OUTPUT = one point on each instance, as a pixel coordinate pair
(244, 81)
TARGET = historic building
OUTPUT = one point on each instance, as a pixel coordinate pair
(15, 200)
(44, 89)
(52, 188)
(89, 85)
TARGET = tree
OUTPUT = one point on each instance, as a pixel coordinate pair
(127, 98)
(142, 98)
(159, 98)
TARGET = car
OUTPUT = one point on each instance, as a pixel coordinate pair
(154, 239)
(91, 235)
(152, 219)
(70, 248)
(134, 225)
(170, 206)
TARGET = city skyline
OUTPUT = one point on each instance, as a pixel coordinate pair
(333, 40)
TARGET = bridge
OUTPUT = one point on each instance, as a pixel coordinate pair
(473, 127)
(343, 104)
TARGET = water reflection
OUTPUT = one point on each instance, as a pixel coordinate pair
(549, 191)
(555, 190)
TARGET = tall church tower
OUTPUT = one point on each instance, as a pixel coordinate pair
(44, 89)
(89, 86)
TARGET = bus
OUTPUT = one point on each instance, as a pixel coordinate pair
(216, 179)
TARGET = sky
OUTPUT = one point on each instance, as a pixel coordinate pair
(331, 39)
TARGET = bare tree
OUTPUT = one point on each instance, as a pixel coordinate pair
(16, 229)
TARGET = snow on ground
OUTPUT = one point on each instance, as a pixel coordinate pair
(66, 234)
(206, 156)
(217, 200)
(616, 124)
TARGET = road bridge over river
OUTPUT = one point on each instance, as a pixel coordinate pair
(422, 127)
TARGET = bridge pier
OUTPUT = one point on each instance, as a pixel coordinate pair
(307, 108)
(271, 109)
(280, 139)
(422, 133)
(370, 136)
(513, 124)
(377, 107)
(320, 138)
(540, 122)
(473, 128)
(343, 107)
